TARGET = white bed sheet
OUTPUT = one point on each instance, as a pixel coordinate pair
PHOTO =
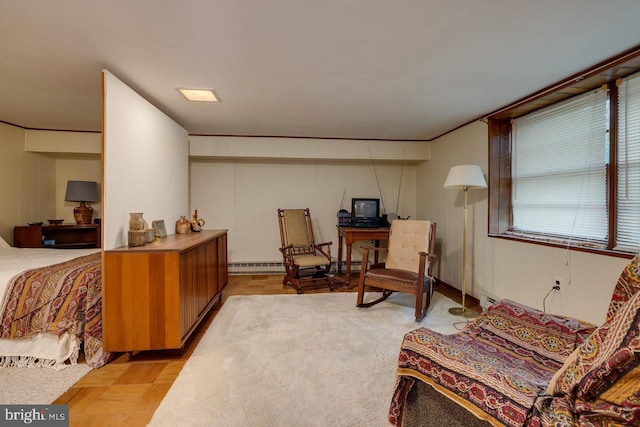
(43, 349)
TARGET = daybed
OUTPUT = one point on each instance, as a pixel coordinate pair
(514, 365)
(51, 305)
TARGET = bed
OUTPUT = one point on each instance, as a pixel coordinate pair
(50, 307)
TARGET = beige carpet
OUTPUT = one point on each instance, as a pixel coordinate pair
(296, 360)
(37, 386)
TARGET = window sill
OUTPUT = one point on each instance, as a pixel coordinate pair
(598, 251)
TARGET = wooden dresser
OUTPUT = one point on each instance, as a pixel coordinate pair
(155, 295)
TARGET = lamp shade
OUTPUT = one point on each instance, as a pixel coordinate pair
(465, 177)
(82, 191)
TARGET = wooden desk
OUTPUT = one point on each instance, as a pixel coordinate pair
(354, 234)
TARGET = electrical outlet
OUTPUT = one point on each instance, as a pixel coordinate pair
(558, 283)
(487, 300)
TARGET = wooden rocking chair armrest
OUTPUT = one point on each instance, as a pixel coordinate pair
(430, 256)
(365, 257)
(325, 249)
(423, 259)
(320, 247)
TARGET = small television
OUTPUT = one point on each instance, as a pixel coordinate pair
(365, 212)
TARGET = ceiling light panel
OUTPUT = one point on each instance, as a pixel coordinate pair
(201, 95)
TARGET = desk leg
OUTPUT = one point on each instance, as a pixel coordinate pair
(375, 255)
(339, 267)
(348, 266)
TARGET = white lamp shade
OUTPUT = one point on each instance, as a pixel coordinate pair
(465, 177)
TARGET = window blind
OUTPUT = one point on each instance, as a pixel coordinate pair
(628, 159)
(559, 170)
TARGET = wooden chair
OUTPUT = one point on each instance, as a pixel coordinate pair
(306, 263)
(407, 268)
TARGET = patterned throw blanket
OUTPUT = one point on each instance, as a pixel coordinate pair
(516, 366)
(495, 368)
(64, 297)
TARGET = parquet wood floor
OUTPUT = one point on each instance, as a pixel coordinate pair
(127, 391)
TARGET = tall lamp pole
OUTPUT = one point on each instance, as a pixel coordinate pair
(465, 178)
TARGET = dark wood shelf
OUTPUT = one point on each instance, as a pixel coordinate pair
(63, 236)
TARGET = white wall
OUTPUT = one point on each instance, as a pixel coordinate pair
(506, 269)
(27, 182)
(233, 147)
(77, 156)
(243, 195)
(238, 183)
(146, 163)
(76, 169)
(63, 142)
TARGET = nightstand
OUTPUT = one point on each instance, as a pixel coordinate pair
(57, 236)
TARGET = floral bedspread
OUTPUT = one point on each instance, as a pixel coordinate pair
(64, 297)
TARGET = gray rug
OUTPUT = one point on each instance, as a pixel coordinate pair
(37, 386)
(296, 360)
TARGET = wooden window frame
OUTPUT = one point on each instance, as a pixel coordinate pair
(499, 133)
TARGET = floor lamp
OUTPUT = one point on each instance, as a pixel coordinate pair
(465, 178)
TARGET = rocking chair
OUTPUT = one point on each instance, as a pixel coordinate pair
(408, 265)
(306, 263)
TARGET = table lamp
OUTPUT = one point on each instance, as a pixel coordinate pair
(465, 178)
(83, 192)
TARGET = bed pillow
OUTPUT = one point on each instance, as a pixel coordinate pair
(4, 244)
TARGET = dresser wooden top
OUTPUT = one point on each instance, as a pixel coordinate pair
(174, 242)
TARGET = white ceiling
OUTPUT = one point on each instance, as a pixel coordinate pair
(384, 69)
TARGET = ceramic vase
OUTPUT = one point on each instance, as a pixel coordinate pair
(136, 222)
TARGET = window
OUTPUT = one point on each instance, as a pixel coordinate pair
(559, 170)
(569, 173)
(628, 159)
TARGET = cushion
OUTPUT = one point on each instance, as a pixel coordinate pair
(551, 336)
(296, 227)
(627, 285)
(407, 238)
(3, 243)
(310, 260)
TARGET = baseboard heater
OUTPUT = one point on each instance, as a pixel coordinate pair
(272, 267)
